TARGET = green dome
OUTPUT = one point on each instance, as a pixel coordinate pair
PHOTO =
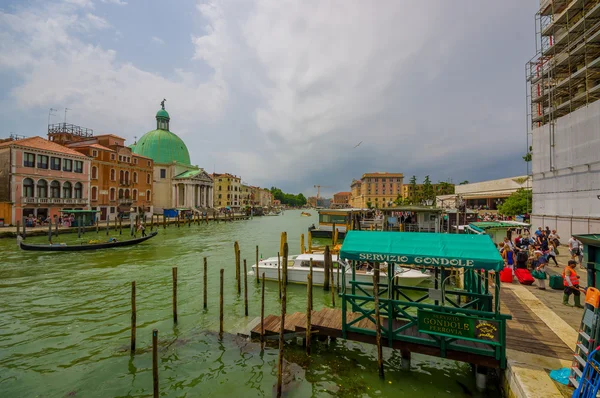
(162, 113)
(162, 146)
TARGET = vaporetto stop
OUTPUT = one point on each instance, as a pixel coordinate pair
(417, 260)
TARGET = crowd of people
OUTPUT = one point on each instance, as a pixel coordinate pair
(535, 252)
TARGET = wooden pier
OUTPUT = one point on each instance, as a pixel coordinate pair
(526, 333)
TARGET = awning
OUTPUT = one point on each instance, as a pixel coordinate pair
(423, 249)
(483, 225)
(488, 195)
(589, 239)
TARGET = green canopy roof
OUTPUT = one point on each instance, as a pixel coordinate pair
(589, 239)
(423, 249)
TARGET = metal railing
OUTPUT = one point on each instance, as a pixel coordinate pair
(56, 201)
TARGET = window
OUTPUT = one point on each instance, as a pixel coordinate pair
(94, 172)
(42, 162)
(134, 160)
(28, 188)
(42, 189)
(120, 193)
(219, 196)
(126, 177)
(67, 190)
(163, 173)
(134, 194)
(112, 195)
(113, 156)
(94, 153)
(55, 189)
(147, 178)
(120, 158)
(220, 187)
(128, 159)
(78, 190)
(135, 179)
(148, 163)
(94, 193)
(112, 210)
(54, 163)
(148, 196)
(78, 166)
(113, 175)
(127, 194)
(29, 160)
(67, 165)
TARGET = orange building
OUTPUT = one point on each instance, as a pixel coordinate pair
(341, 200)
(376, 190)
(119, 179)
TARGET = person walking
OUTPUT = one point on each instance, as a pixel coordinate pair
(576, 249)
(551, 254)
(540, 273)
(571, 284)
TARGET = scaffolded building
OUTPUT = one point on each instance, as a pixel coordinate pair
(563, 126)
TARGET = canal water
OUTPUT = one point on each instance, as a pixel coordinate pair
(65, 324)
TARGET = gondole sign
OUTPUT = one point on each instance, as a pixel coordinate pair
(443, 324)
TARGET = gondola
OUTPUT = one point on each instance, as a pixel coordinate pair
(82, 247)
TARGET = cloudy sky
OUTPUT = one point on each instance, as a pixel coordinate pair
(281, 91)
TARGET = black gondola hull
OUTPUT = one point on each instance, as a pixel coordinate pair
(66, 248)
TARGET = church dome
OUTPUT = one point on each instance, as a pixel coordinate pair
(161, 145)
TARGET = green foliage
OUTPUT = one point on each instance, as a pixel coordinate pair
(517, 203)
(288, 198)
(445, 188)
(369, 205)
(527, 157)
(413, 194)
(428, 189)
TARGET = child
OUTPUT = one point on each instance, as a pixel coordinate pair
(540, 274)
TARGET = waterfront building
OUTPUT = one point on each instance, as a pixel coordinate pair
(227, 191)
(563, 117)
(246, 195)
(265, 197)
(41, 178)
(484, 195)
(177, 183)
(377, 190)
(408, 190)
(341, 200)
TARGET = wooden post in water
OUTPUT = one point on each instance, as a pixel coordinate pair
(333, 235)
(221, 306)
(50, 231)
(107, 225)
(97, 224)
(245, 289)
(155, 362)
(205, 277)
(257, 263)
(239, 272)
(262, 313)
(337, 267)
(282, 326)
(133, 317)
(279, 273)
(332, 283)
(309, 242)
(285, 267)
(236, 252)
(283, 241)
(120, 225)
(378, 325)
(79, 227)
(308, 311)
(327, 263)
(310, 272)
(301, 243)
(174, 294)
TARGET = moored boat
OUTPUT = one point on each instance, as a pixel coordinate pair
(305, 214)
(62, 247)
(299, 266)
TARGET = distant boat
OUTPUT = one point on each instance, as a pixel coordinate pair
(305, 214)
(61, 247)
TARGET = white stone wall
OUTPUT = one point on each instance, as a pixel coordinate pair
(491, 186)
(565, 196)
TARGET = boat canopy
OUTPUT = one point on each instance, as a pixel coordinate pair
(485, 225)
(423, 249)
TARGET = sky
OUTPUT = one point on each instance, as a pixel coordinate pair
(281, 92)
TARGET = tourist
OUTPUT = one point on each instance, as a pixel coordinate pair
(547, 230)
(539, 231)
(551, 254)
(571, 283)
(540, 273)
(522, 257)
(141, 228)
(554, 238)
(576, 249)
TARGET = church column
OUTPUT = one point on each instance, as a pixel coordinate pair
(210, 196)
(201, 195)
(174, 196)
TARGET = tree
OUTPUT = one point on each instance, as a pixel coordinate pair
(445, 188)
(464, 182)
(369, 205)
(428, 193)
(517, 203)
(413, 194)
(288, 198)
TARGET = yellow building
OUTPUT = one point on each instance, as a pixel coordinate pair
(227, 191)
(378, 190)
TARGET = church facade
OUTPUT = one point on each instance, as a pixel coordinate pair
(177, 183)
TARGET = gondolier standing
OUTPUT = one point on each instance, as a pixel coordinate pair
(571, 283)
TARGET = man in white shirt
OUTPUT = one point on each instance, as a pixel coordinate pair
(576, 249)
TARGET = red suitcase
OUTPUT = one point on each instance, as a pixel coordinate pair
(506, 275)
(524, 276)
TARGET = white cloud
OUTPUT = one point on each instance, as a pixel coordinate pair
(81, 3)
(96, 22)
(117, 2)
(157, 40)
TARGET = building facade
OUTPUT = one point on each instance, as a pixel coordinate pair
(564, 117)
(227, 191)
(119, 179)
(40, 178)
(341, 200)
(176, 182)
(378, 190)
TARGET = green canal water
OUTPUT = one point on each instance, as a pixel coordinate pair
(65, 324)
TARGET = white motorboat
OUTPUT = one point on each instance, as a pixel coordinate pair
(299, 266)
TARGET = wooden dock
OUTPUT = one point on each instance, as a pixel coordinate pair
(526, 333)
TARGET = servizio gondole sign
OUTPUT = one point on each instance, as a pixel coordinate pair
(451, 262)
(439, 323)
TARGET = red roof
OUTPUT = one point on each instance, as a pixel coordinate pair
(342, 194)
(45, 145)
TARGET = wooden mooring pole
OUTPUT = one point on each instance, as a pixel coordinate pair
(133, 317)
(239, 272)
(262, 314)
(236, 252)
(282, 327)
(332, 283)
(309, 242)
(284, 281)
(107, 225)
(97, 224)
(221, 305)
(174, 294)
(378, 323)
(308, 311)
(18, 228)
(279, 274)
(155, 362)
(205, 277)
(245, 289)
(327, 263)
(257, 263)
(50, 231)
(310, 273)
(301, 243)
